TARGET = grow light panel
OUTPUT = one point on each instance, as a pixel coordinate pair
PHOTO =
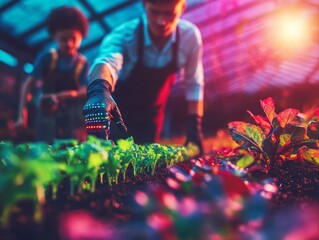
(90, 53)
(38, 37)
(4, 2)
(15, 24)
(28, 68)
(29, 13)
(314, 78)
(233, 33)
(95, 32)
(8, 59)
(100, 6)
(118, 17)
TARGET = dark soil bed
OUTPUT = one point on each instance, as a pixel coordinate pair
(106, 203)
(297, 184)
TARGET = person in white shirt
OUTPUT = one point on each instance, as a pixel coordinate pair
(137, 64)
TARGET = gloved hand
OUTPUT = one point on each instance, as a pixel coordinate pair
(194, 131)
(100, 109)
(49, 104)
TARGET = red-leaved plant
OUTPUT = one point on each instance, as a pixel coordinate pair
(276, 137)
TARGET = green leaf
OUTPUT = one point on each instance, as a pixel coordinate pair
(245, 161)
(294, 134)
(247, 135)
(261, 121)
(268, 106)
(287, 116)
(284, 139)
(62, 143)
(311, 155)
(96, 159)
(125, 144)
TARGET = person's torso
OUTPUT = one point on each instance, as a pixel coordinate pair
(146, 90)
(63, 73)
(119, 48)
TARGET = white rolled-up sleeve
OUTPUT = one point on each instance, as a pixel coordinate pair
(111, 52)
(194, 74)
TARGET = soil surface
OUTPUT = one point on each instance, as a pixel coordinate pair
(297, 184)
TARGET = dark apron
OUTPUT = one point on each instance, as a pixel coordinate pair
(61, 123)
(143, 96)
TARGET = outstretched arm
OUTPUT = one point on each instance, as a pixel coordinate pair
(195, 108)
(66, 95)
(102, 80)
(101, 71)
(194, 81)
(194, 124)
(22, 111)
(100, 107)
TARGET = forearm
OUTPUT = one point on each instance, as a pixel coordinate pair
(71, 94)
(23, 96)
(194, 123)
(101, 71)
(195, 108)
(67, 95)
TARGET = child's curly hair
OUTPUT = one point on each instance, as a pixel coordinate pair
(64, 17)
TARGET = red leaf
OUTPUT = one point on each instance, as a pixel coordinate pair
(247, 135)
(287, 116)
(233, 185)
(159, 221)
(198, 178)
(268, 106)
(261, 121)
